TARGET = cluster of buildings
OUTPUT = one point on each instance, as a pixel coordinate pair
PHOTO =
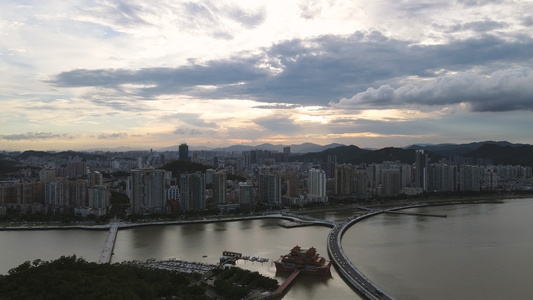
(265, 179)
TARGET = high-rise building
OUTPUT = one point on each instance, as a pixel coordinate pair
(75, 169)
(95, 178)
(269, 188)
(47, 173)
(246, 195)
(390, 183)
(286, 153)
(316, 182)
(147, 191)
(291, 184)
(209, 175)
(421, 169)
(192, 191)
(99, 196)
(344, 179)
(329, 166)
(219, 188)
(184, 152)
(360, 182)
(469, 178)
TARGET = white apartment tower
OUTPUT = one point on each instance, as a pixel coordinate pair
(316, 182)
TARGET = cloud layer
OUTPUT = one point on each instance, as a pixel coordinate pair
(386, 73)
(505, 90)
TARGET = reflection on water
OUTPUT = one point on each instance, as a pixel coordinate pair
(261, 238)
(477, 252)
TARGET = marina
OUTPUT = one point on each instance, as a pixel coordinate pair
(173, 265)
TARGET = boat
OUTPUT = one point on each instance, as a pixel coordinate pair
(306, 260)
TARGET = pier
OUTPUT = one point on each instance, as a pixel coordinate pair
(109, 244)
(287, 282)
(277, 293)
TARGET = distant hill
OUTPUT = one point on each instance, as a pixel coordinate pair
(459, 149)
(499, 153)
(301, 148)
(355, 155)
(7, 166)
(179, 166)
(64, 154)
(344, 154)
(504, 155)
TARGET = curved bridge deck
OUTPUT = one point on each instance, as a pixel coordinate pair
(345, 267)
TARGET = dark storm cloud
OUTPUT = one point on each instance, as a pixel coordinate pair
(167, 80)
(505, 90)
(315, 71)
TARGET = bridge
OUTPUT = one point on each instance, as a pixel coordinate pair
(109, 244)
(414, 214)
(345, 267)
(303, 219)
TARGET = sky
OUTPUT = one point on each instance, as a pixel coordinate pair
(78, 75)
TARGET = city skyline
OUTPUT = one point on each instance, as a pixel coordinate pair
(84, 75)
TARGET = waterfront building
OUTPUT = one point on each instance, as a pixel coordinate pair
(469, 178)
(219, 188)
(99, 197)
(421, 172)
(146, 189)
(374, 176)
(29, 192)
(246, 195)
(192, 191)
(344, 180)
(291, 183)
(316, 182)
(390, 182)
(269, 188)
(360, 182)
(57, 195)
(173, 192)
(490, 179)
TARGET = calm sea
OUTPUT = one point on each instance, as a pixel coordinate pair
(478, 252)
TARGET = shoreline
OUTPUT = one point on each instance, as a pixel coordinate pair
(390, 204)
